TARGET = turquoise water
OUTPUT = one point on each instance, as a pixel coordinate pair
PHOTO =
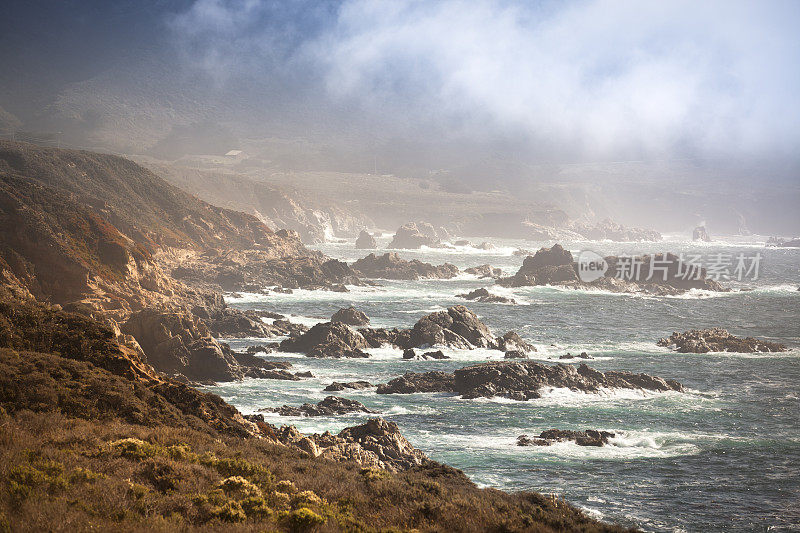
(725, 455)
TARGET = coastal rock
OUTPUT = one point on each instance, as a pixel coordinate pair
(484, 296)
(717, 340)
(337, 386)
(391, 266)
(411, 382)
(350, 316)
(701, 234)
(784, 243)
(331, 405)
(377, 337)
(515, 354)
(522, 380)
(484, 271)
(511, 341)
(658, 274)
(328, 339)
(414, 235)
(583, 355)
(458, 327)
(411, 354)
(590, 437)
(374, 444)
(234, 323)
(366, 241)
(176, 343)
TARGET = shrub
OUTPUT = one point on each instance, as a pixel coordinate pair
(230, 511)
(306, 499)
(256, 507)
(285, 486)
(303, 519)
(133, 448)
(238, 487)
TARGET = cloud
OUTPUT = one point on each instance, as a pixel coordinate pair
(589, 79)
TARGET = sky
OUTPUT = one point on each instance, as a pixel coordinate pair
(538, 81)
(593, 79)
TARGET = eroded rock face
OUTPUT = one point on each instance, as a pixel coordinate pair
(484, 296)
(331, 405)
(366, 241)
(328, 339)
(391, 266)
(177, 343)
(717, 340)
(414, 235)
(350, 316)
(522, 380)
(590, 437)
(511, 341)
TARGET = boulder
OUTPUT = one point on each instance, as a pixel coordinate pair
(391, 266)
(350, 316)
(337, 386)
(458, 327)
(717, 340)
(590, 437)
(515, 354)
(328, 339)
(331, 405)
(366, 241)
(511, 341)
(438, 354)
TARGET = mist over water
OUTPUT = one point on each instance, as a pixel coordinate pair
(721, 456)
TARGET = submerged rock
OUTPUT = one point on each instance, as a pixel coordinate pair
(717, 340)
(331, 405)
(590, 437)
(328, 339)
(391, 266)
(411, 354)
(484, 296)
(350, 316)
(484, 271)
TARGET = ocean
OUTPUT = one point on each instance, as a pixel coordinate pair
(724, 455)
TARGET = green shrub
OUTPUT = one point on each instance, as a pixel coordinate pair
(230, 511)
(305, 499)
(256, 507)
(285, 486)
(238, 488)
(133, 448)
(303, 519)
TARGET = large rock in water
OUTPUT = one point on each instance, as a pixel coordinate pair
(415, 235)
(366, 241)
(411, 382)
(659, 274)
(717, 340)
(375, 444)
(701, 234)
(350, 316)
(176, 343)
(522, 380)
(328, 339)
(391, 266)
(458, 327)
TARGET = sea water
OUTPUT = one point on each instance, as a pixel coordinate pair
(724, 455)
